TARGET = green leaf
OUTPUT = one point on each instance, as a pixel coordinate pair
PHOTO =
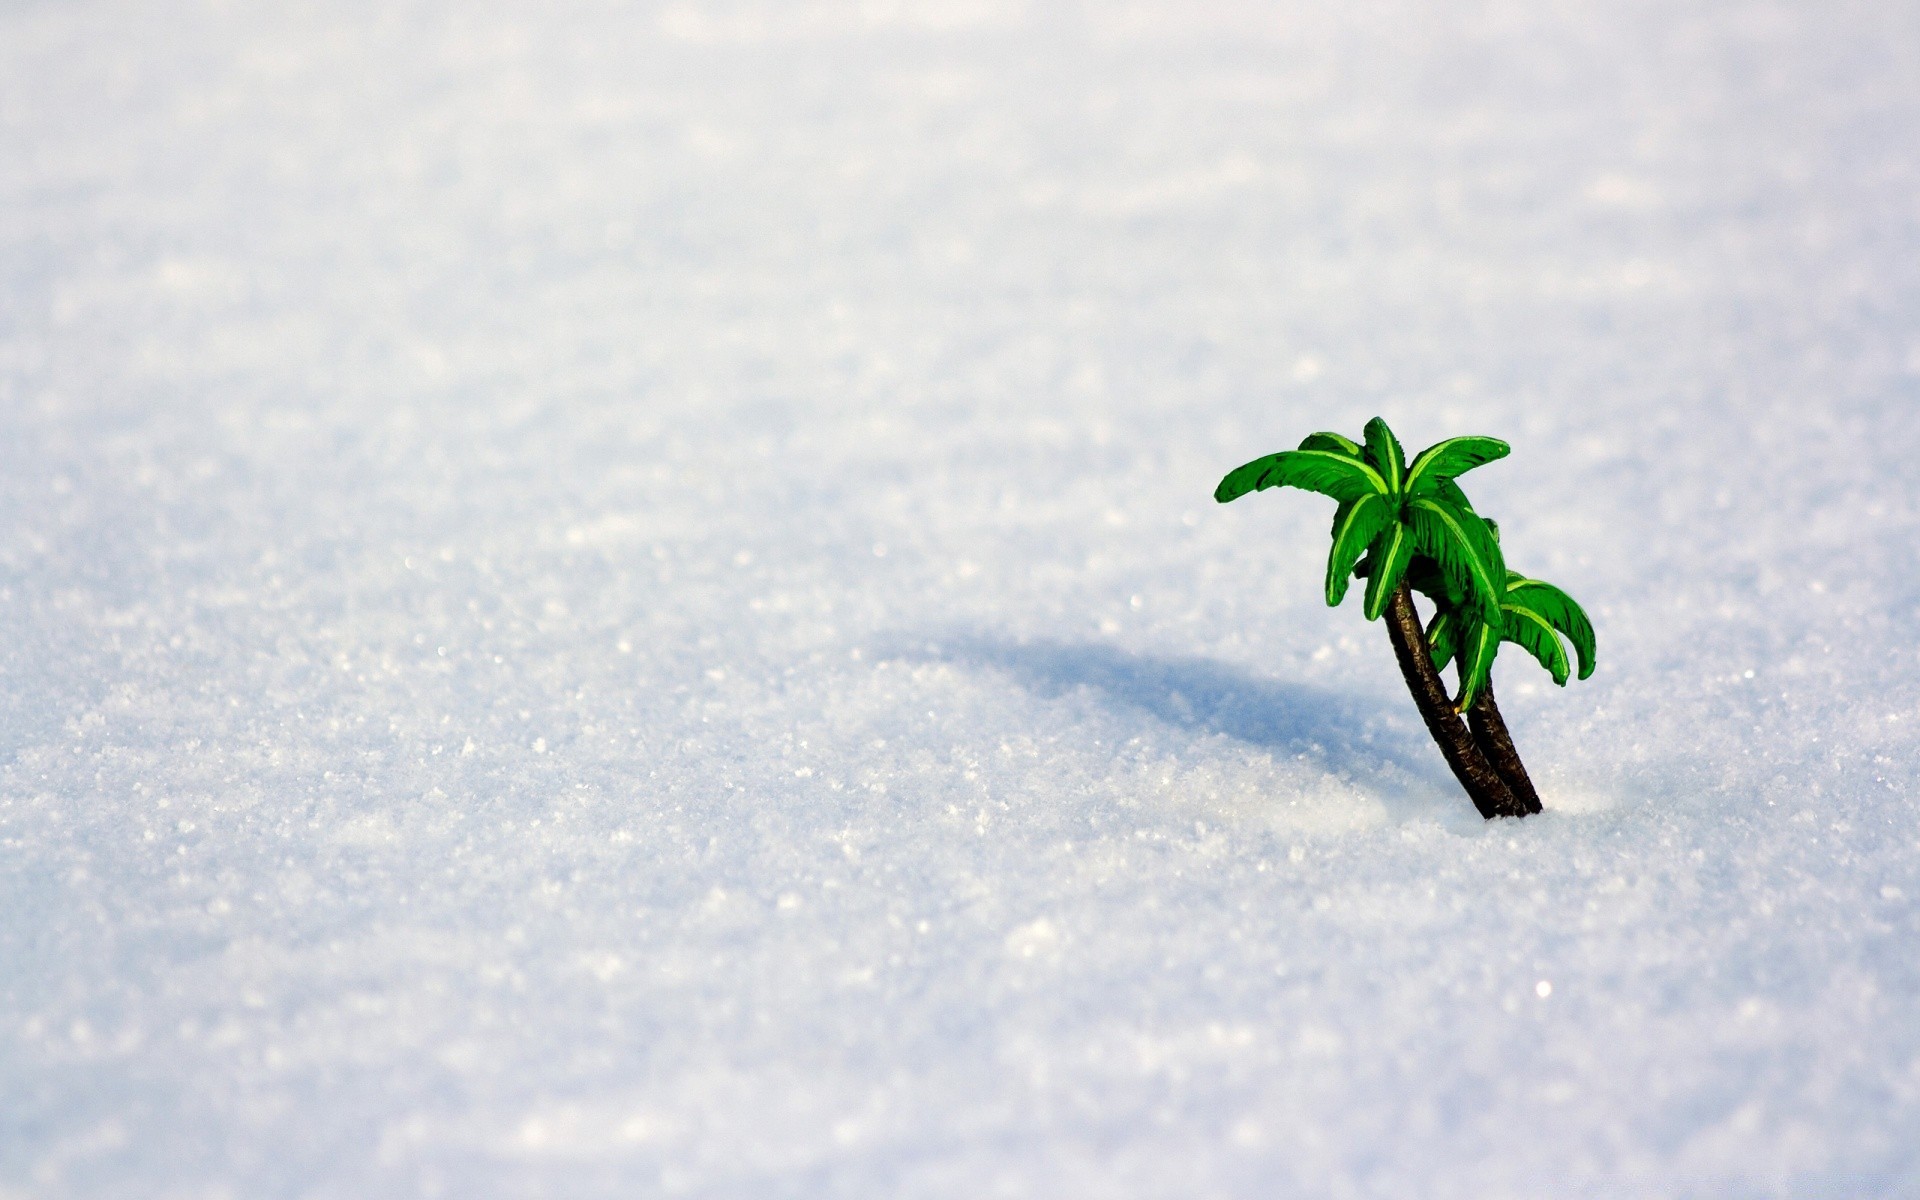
(1452, 458)
(1559, 611)
(1331, 441)
(1385, 456)
(1480, 645)
(1322, 471)
(1465, 550)
(1355, 527)
(1442, 639)
(1532, 632)
(1391, 551)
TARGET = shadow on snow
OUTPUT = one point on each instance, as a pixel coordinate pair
(1342, 734)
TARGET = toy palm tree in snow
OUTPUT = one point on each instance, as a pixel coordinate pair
(1417, 530)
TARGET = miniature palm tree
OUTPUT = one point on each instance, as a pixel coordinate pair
(1415, 527)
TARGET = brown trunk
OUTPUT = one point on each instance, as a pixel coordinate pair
(1489, 793)
(1490, 734)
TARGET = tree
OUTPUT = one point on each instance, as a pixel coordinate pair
(1408, 526)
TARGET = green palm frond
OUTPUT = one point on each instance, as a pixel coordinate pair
(1324, 471)
(1391, 552)
(1479, 646)
(1384, 455)
(1355, 527)
(1560, 612)
(1530, 631)
(1448, 460)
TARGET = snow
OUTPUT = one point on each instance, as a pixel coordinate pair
(619, 599)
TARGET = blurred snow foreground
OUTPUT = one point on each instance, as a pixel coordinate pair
(613, 600)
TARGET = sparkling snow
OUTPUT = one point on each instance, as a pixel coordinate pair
(604, 600)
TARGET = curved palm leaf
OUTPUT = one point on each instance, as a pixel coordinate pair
(1530, 631)
(1446, 461)
(1323, 471)
(1479, 646)
(1384, 455)
(1561, 612)
(1355, 527)
(1391, 552)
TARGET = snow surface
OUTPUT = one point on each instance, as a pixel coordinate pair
(619, 599)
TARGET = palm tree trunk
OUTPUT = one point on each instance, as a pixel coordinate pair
(1484, 786)
(1490, 734)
